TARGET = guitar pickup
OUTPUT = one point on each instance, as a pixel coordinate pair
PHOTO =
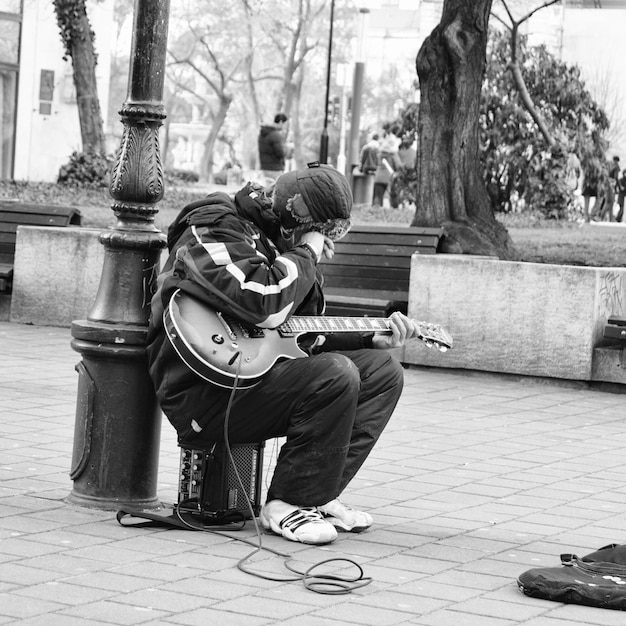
(250, 332)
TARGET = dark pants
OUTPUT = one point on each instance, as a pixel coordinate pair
(331, 408)
(379, 193)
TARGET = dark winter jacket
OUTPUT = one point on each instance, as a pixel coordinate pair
(228, 253)
(369, 157)
(272, 151)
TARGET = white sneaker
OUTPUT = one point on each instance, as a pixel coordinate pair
(346, 518)
(303, 524)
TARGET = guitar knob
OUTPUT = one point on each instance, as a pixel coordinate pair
(218, 339)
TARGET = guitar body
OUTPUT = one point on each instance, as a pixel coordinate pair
(227, 352)
(221, 349)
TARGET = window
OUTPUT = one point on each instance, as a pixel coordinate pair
(9, 41)
(10, 6)
(10, 27)
(8, 86)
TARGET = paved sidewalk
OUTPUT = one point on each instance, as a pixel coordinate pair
(476, 479)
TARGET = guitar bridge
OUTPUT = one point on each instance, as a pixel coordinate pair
(227, 326)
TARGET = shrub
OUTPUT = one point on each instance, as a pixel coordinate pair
(403, 187)
(174, 176)
(86, 169)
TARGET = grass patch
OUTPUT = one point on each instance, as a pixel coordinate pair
(537, 240)
(567, 243)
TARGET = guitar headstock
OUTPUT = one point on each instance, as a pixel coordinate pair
(434, 335)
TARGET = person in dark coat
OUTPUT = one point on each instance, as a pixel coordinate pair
(273, 149)
(255, 258)
(621, 194)
(388, 164)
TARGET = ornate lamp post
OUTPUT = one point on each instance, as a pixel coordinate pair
(118, 423)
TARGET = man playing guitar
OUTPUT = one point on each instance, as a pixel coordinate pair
(255, 258)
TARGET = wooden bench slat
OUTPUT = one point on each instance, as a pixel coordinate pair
(6, 269)
(371, 261)
(40, 209)
(34, 219)
(353, 309)
(615, 332)
(354, 292)
(379, 249)
(349, 272)
(7, 231)
(368, 283)
(391, 240)
(383, 229)
(355, 306)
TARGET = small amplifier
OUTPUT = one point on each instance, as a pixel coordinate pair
(208, 483)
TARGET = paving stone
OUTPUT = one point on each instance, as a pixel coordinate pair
(476, 479)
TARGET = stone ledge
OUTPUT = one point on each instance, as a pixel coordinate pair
(609, 363)
(56, 274)
(518, 318)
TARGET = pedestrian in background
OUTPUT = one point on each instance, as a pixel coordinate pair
(621, 193)
(273, 147)
(388, 163)
(369, 155)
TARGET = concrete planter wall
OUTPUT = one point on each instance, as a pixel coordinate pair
(56, 274)
(518, 318)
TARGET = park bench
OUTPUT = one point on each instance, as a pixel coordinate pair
(616, 329)
(369, 274)
(13, 214)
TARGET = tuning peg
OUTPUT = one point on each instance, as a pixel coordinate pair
(443, 348)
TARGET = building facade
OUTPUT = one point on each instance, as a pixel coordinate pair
(40, 127)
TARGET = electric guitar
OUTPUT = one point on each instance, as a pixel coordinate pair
(226, 351)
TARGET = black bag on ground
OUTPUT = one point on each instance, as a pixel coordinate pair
(598, 579)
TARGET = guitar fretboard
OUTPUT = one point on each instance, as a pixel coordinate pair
(309, 324)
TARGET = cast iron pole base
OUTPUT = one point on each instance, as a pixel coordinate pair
(118, 422)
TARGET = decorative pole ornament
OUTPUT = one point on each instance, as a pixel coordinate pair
(118, 421)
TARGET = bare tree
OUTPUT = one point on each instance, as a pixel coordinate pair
(603, 85)
(451, 192)
(250, 62)
(514, 65)
(78, 40)
(215, 59)
(288, 34)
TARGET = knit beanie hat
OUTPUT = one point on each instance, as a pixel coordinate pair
(325, 191)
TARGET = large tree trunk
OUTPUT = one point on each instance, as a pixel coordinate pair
(206, 163)
(77, 38)
(451, 192)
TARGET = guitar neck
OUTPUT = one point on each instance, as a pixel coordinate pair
(312, 324)
(431, 334)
